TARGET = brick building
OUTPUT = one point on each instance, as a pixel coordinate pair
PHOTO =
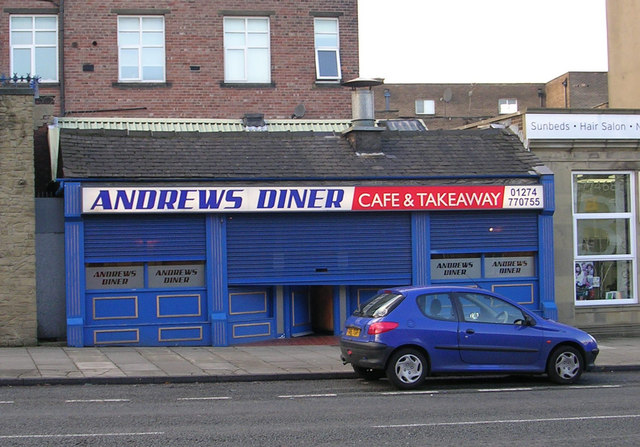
(447, 106)
(196, 58)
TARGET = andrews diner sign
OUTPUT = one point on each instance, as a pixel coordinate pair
(309, 198)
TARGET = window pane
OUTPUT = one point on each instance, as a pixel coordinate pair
(46, 38)
(155, 39)
(46, 23)
(233, 25)
(487, 309)
(258, 25)
(128, 24)
(603, 237)
(326, 26)
(328, 64)
(603, 280)
(234, 65)
(129, 72)
(21, 23)
(21, 38)
(21, 61)
(234, 40)
(258, 40)
(151, 73)
(258, 69)
(153, 56)
(46, 63)
(129, 39)
(129, 57)
(152, 24)
(327, 40)
(601, 193)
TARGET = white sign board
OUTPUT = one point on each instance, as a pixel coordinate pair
(586, 126)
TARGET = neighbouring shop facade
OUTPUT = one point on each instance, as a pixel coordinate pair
(159, 262)
(595, 157)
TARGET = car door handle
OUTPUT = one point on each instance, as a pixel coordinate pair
(470, 331)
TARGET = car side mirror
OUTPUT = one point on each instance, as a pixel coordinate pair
(527, 321)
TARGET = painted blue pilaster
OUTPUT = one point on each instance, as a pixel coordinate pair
(420, 255)
(217, 291)
(74, 263)
(545, 250)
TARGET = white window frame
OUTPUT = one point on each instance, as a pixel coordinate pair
(327, 48)
(425, 107)
(140, 47)
(34, 45)
(247, 77)
(631, 257)
(507, 106)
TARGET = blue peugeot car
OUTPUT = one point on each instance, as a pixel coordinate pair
(409, 333)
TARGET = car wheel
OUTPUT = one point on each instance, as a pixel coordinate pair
(565, 365)
(407, 369)
(368, 373)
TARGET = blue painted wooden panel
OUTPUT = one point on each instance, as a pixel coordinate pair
(149, 335)
(483, 231)
(179, 305)
(319, 248)
(119, 238)
(251, 314)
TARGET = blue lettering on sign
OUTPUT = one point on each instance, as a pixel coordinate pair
(167, 199)
(300, 199)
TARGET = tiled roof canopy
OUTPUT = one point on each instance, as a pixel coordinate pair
(293, 156)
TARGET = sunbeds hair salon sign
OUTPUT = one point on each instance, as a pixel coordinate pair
(309, 198)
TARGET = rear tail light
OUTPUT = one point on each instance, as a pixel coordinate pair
(381, 326)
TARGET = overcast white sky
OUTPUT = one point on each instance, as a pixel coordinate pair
(464, 41)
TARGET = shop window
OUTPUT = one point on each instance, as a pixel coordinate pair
(604, 246)
(34, 46)
(141, 55)
(327, 44)
(425, 107)
(152, 275)
(504, 265)
(247, 56)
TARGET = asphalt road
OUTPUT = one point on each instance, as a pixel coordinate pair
(601, 410)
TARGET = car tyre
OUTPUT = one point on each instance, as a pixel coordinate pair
(368, 373)
(407, 369)
(565, 365)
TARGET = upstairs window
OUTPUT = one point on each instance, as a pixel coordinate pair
(327, 45)
(34, 46)
(507, 105)
(247, 51)
(141, 55)
(425, 107)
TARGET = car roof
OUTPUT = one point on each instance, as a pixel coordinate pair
(405, 290)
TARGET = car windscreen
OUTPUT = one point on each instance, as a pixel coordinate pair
(380, 305)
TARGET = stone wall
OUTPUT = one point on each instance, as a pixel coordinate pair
(18, 316)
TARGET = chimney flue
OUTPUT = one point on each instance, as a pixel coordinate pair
(363, 135)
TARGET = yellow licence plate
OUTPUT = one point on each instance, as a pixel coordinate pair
(353, 331)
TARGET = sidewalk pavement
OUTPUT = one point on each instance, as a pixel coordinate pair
(129, 365)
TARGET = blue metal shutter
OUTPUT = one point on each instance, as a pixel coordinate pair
(144, 238)
(313, 248)
(484, 231)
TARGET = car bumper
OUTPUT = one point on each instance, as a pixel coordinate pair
(366, 355)
(590, 359)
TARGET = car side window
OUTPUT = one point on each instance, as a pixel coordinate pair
(480, 308)
(437, 306)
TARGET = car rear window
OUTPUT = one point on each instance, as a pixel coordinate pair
(380, 305)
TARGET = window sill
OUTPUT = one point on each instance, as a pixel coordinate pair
(328, 83)
(224, 84)
(141, 85)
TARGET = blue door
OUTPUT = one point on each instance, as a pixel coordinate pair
(300, 302)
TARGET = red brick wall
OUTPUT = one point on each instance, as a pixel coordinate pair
(194, 37)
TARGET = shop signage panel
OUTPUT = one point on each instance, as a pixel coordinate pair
(455, 268)
(115, 277)
(509, 267)
(552, 126)
(309, 198)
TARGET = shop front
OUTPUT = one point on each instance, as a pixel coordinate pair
(157, 264)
